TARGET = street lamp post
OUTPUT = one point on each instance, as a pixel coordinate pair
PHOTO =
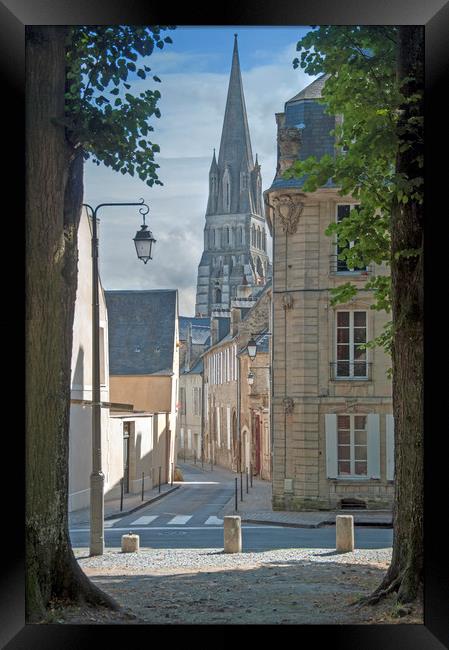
(97, 476)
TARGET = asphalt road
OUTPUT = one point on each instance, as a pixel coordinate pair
(187, 518)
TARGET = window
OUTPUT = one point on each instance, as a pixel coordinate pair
(342, 266)
(351, 332)
(196, 400)
(182, 399)
(352, 445)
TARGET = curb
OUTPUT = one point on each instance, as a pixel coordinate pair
(122, 513)
(281, 523)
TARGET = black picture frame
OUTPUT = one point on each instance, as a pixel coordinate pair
(434, 15)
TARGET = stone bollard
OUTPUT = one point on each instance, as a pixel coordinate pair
(344, 527)
(232, 534)
(130, 543)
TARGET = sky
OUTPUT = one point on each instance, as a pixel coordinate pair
(194, 72)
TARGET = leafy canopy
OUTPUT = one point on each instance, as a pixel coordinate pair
(363, 91)
(103, 116)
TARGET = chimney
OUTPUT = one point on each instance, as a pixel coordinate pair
(213, 330)
(235, 320)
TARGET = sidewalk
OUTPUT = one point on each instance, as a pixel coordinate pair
(256, 505)
(131, 502)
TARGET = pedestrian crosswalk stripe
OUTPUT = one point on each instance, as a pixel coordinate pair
(144, 520)
(213, 521)
(180, 519)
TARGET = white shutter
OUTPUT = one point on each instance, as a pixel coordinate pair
(228, 424)
(189, 439)
(373, 446)
(390, 447)
(182, 437)
(331, 445)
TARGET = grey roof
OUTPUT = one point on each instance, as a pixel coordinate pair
(312, 91)
(200, 334)
(306, 112)
(263, 343)
(224, 325)
(141, 328)
(194, 321)
(197, 369)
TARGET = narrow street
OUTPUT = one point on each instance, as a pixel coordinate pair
(190, 518)
(181, 575)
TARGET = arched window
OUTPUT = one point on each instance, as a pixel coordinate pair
(259, 241)
(253, 235)
(218, 295)
(264, 240)
(239, 236)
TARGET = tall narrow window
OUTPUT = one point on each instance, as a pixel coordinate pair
(182, 399)
(351, 332)
(352, 447)
(342, 266)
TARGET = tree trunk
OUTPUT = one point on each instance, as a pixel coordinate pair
(54, 189)
(405, 572)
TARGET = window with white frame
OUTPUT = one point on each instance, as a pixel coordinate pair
(343, 211)
(352, 445)
(351, 362)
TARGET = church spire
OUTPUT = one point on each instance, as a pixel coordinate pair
(235, 142)
(235, 158)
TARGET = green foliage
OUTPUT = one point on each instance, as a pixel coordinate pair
(363, 90)
(111, 125)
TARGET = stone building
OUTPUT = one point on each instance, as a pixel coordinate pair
(127, 436)
(255, 387)
(235, 244)
(144, 366)
(236, 412)
(332, 405)
(194, 339)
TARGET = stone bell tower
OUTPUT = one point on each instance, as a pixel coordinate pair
(235, 240)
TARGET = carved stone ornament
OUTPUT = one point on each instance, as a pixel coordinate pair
(288, 210)
(289, 139)
(288, 405)
(287, 301)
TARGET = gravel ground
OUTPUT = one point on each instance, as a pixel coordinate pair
(207, 586)
(215, 557)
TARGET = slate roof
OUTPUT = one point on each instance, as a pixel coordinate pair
(200, 335)
(141, 327)
(305, 112)
(195, 321)
(197, 368)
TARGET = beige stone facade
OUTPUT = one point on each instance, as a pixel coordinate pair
(332, 424)
(236, 413)
(189, 423)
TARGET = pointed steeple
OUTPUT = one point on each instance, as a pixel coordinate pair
(214, 176)
(235, 145)
(235, 141)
